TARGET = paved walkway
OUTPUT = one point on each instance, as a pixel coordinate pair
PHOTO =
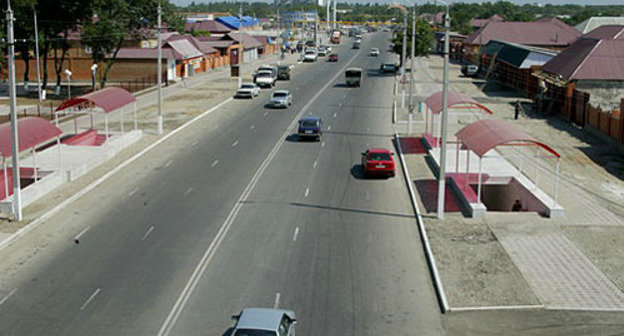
(559, 273)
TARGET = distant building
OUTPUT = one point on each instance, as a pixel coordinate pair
(236, 23)
(288, 18)
(599, 21)
(480, 23)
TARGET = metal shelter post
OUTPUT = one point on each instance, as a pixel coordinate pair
(121, 122)
(34, 153)
(6, 180)
(17, 199)
(442, 175)
(136, 122)
(457, 156)
(480, 182)
(106, 126)
(556, 182)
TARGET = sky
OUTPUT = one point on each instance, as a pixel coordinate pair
(520, 2)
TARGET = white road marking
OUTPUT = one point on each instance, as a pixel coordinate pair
(90, 298)
(8, 296)
(194, 143)
(252, 127)
(307, 192)
(329, 128)
(335, 114)
(265, 114)
(367, 195)
(277, 298)
(323, 144)
(81, 233)
(235, 143)
(148, 232)
(133, 191)
(296, 234)
(214, 163)
(188, 191)
(339, 104)
(184, 296)
(315, 164)
(168, 163)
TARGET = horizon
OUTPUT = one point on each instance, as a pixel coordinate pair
(516, 2)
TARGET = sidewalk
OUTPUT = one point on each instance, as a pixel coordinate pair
(523, 259)
(183, 101)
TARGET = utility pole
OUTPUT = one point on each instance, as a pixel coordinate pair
(328, 14)
(17, 197)
(442, 176)
(39, 88)
(335, 24)
(159, 73)
(404, 43)
(411, 83)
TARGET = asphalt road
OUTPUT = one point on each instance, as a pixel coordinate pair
(295, 226)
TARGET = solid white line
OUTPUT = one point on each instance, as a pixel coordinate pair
(148, 232)
(133, 191)
(82, 232)
(315, 164)
(323, 144)
(252, 127)
(335, 114)
(180, 303)
(188, 191)
(235, 143)
(168, 163)
(214, 163)
(90, 298)
(8, 296)
(307, 192)
(460, 309)
(296, 234)
(277, 299)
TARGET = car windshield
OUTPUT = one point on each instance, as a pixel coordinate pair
(247, 86)
(379, 157)
(264, 74)
(254, 332)
(353, 73)
(280, 94)
(388, 66)
(308, 123)
(310, 52)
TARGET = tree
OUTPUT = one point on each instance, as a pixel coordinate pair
(24, 30)
(423, 41)
(121, 20)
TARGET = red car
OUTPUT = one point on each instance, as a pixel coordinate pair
(332, 58)
(378, 162)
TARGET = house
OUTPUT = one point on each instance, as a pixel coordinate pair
(456, 41)
(269, 45)
(598, 21)
(206, 28)
(592, 67)
(235, 23)
(514, 64)
(550, 33)
(480, 23)
(251, 46)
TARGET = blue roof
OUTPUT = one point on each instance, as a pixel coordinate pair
(311, 118)
(234, 22)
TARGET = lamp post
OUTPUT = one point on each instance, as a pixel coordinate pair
(93, 72)
(159, 73)
(68, 75)
(445, 84)
(411, 84)
(17, 199)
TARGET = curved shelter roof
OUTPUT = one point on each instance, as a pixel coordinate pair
(32, 131)
(484, 135)
(108, 99)
(434, 102)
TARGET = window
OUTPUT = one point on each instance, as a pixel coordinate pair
(254, 332)
(379, 157)
(88, 50)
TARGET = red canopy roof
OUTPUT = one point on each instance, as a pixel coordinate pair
(484, 135)
(434, 102)
(31, 132)
(108, 99)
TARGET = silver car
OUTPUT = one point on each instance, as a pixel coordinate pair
(280, 98)
(264, 322)
(248, 90)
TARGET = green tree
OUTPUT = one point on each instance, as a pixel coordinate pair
(423, 41)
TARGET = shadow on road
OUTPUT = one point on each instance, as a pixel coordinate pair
(328, 207)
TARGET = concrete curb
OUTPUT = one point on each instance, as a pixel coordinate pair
(35, 223)
(477, 308)
(433, 268)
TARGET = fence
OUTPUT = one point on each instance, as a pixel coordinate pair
(610, 123)
(142, 83)
(45, 111)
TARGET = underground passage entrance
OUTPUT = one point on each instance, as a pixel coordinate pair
(501, 196)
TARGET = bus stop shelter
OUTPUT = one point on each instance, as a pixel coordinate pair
(32, 131)
(435, 106)
(106, 100)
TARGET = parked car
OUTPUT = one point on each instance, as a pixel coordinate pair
(332, 58)
(248, 90)
(280, 98)
(374, 52)
(310, 128)
(388, 68)
(283, 72)
(264, 322)
(265, 78)
(470, 70)
(378, 162)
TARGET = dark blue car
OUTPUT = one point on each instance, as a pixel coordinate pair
(310, 128)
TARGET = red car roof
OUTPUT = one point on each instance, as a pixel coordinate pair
(379, 150)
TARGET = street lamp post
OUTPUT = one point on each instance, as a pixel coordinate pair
(159, 73)
(442, 176)
(17, 199)
(93, 72)
(68, 75)
(411, 83)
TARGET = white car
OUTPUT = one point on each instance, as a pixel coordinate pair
(265, 79)
(374, 52)
(281, 99)
(248, 90)
(328, 48)
(310, 56)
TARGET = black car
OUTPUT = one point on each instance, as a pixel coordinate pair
(388, 68)
(283, 72)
